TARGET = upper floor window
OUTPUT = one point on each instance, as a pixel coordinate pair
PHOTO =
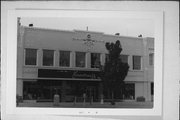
(124, 58)
(151, 58)
(48, 57)
(64, 58)
(80, 59)
(136, 62)
(95, 60)
(30, 56)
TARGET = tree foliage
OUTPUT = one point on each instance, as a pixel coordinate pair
(114, 71)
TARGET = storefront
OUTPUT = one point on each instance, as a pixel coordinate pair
(67, 83)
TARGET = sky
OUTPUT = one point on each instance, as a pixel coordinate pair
(126, 27)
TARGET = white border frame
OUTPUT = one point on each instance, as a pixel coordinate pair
(10, 85)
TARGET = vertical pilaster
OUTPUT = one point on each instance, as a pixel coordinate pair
(145, 70)
(130, 62)
(88, 60)
(40, 57)
(103, 57)
(72, 59)
(56, 58)
(19, 87)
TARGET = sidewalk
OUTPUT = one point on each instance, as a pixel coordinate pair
(88, 105)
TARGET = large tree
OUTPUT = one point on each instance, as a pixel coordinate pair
(114, 71)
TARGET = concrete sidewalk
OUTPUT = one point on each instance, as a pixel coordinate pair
(128, 104)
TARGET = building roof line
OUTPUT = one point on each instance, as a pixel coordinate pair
(75, 30)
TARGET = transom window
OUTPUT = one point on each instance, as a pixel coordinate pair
(95, 60)
(64, 58)
(48, 57)
(30, 56)
(80, 59)
(124, 58)
(136, 62)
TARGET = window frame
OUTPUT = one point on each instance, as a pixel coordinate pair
(127, 57)
(53, 58)
(36, 56)
(85, 64)
(140, 63)
(100, 55)
(60, 57)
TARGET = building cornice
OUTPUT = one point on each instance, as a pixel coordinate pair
(75, 31)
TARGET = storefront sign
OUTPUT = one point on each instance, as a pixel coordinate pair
(51, 73)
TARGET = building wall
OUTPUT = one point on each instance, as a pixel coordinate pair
(39, 38)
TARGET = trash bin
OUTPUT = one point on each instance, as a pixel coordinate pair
(56, 100)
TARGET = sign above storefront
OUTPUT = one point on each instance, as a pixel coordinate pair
(51, 73)
(88, 41)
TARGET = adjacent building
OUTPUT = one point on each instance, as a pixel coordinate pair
(53, 61)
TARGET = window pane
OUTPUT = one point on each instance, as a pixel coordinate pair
(48, 57)
(124, 58)
(151, 59)
(30, 57)
(64, 58)
(80, 59)
(95, 60)
(136, 62)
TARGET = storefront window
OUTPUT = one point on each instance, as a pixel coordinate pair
(64, 57)
(48, 57)
(129, 91)
(136, 62)
(30, 56)
(80, 59)
(30, 90)
(124, 58)
(95, 60)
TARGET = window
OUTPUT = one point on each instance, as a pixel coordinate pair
(151, 59)
(80, 59)
(129, 91)
(30, 56)
(136, 62)
(124, 58)
(152, 88)
(30, 89)
(48, 57)
(64, 57)
(95, 60)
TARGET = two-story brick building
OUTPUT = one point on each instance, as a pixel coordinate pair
(53, 61)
